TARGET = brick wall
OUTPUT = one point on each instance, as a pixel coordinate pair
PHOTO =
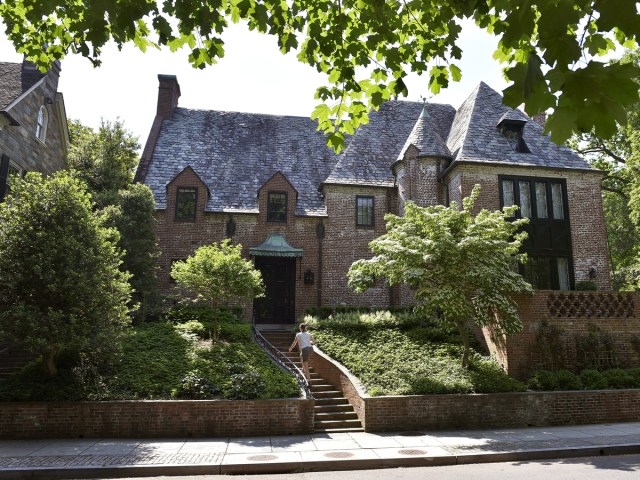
(20, 144)
(339, 377)
(345, 243)
(586, 216)
(437, 412)
(572, 312)
(155, 419)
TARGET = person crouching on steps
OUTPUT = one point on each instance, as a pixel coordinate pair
(305, 342)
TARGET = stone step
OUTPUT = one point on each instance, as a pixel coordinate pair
(340, 400)
(323, 388)
(338, 430)
(323, 417)
(328, 394)
(326, 424)
(338, 407)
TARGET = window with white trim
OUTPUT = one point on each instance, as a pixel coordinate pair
(41, 125)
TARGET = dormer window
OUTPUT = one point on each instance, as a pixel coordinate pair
(513, 131)
(41, 126)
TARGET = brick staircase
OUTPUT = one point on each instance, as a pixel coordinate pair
(333, 412)
(12, 360)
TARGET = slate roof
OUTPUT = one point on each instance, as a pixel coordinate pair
(14, 81)
(475, 138)
(236, 153)
(368, 157)
(426, 139)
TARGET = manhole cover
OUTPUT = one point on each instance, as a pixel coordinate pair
(410, 434)
(338, 454)
(412, 452)
(262, 458)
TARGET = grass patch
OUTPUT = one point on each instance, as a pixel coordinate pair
(189, 356)
(405, 354)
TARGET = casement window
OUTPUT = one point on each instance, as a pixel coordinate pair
(277, 207)
(364, 211)
(41, 124)
(186, 204)
(544, 202)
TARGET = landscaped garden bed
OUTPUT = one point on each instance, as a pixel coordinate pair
(407, 354)
(190, 354)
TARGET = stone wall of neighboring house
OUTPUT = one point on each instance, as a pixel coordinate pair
(156, 418)
(20, 143)
(567, 318)
(586, 215)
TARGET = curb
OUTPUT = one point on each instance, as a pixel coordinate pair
(297, 466)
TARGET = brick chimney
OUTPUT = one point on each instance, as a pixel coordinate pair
(540, 119)
(168, 94)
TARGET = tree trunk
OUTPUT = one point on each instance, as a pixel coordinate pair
(49, 362)
(465, 340)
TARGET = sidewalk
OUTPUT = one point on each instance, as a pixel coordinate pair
(91, 458)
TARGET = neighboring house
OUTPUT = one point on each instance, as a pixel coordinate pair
(33, 122)
(305, 214)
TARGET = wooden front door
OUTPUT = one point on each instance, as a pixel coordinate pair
(279, 277)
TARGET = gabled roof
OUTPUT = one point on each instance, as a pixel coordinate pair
(236, 153)
(474, 136)
(14, 81)
(375, 146)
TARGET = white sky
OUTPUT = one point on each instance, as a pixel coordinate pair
(252, 77)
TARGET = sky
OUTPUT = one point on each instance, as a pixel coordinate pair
(252, 77)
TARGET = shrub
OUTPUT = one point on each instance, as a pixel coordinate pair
(586, 285)
(593, 379)
(195, 386)
(244, 386)
(619, 378)
(559, 380)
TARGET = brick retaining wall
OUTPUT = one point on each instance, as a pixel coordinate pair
(439, 412)
(151, 418)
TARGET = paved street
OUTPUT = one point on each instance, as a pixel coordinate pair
(85, 458)
(616, 467)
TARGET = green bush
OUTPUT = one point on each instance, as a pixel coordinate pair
(593, 379)
(558, 380)
(194, 386)
(245, 386)
(586, 285)
(619, 378)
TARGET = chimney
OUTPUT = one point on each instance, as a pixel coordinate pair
(29, 74)
(540, 119)
(168, 94)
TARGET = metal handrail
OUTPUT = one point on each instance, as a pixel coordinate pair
(283, 361)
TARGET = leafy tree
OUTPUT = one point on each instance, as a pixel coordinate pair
(133, 215)
(550, 47)
(459, 265)
(105, 161)
(60, 286)
(217, 273)
(619, 158)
